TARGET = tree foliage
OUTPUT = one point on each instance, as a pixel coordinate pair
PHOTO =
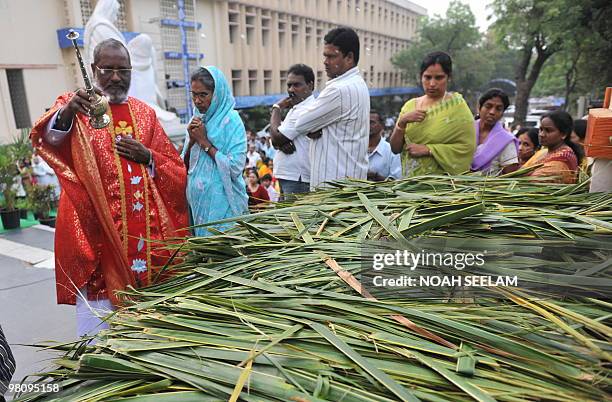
(255, 118)
(573, 31)
(476, 57)
(576, 71)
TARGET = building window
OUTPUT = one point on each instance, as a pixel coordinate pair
(308, 37)
(283, 80)
(252, 82)
(236, 82)
(268, 82)
(250, 16)
(282, 27)
(19, 100)
(265, 28)
(295, 30)
(234, 26)
(319, 34)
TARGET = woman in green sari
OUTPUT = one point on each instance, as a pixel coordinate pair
(435, 131)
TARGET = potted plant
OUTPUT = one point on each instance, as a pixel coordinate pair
(8, 172)
(23, 207)
(40, 200)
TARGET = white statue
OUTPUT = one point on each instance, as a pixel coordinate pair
(142, 54)
(144, 84)
(101, 26)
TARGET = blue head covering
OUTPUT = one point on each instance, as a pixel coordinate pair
(215, 188)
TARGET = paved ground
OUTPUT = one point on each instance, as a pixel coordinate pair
(28, 310)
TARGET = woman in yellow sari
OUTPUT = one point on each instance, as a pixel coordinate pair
(436, 130)
(559, 156)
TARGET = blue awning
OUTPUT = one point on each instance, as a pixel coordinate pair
(245, 102)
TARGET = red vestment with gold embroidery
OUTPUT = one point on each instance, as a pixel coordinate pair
(113, 213)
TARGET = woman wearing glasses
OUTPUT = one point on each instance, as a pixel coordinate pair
(214, 152)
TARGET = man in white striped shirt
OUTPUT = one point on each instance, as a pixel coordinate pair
(338, 120)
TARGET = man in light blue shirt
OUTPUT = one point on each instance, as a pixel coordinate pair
(383, 163)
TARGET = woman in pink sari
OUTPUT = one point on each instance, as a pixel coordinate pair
(559, 157)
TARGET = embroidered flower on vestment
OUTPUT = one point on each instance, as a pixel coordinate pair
(139, 265)
(123, 128)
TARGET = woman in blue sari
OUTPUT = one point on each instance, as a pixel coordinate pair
(214, 152)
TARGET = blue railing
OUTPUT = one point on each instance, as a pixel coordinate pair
(65, 42)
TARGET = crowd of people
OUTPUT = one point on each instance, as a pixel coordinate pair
(126, 188)
(434, 134)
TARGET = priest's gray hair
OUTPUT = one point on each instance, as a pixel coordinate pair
(112, 43)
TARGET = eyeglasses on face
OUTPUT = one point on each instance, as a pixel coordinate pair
(108, 72)
(199, 95)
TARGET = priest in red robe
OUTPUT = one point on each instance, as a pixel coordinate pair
(123, 191)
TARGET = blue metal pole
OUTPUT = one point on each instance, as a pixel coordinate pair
(181, 12)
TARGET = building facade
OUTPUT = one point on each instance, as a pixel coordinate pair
(252, 41)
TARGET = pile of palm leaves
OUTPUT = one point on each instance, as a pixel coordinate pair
(272, 310)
